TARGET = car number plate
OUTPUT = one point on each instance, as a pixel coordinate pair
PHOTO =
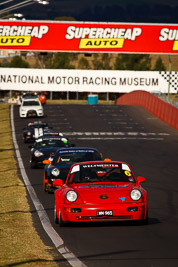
(104, 213)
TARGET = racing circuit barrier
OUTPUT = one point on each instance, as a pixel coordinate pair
(159, 108)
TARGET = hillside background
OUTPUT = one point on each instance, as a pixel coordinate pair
(148, 11)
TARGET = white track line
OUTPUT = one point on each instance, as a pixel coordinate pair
(115, 134)
(56, 239)
(117, 138)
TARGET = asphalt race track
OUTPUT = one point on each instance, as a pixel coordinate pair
(133, 135)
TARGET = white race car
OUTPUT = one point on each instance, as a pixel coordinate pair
(31, 108)
(27, 96)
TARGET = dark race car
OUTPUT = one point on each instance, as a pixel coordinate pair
(44, 149)
(34, 130)
(63, 159)
(100, 191)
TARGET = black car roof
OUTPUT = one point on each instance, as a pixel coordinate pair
(36, 123)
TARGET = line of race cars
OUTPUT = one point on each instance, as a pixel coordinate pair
(86, 186)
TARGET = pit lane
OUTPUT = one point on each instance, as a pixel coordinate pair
(128, 134)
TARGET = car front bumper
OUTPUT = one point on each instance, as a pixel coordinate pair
(31, 113)
(88, 212)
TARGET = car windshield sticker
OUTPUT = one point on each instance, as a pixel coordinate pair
(131, 179)
(51, 139)
(127, 173)
(101, 186)
(125, 167)
(75, 169)
(65, 160)
(76, 151)
(101, 165)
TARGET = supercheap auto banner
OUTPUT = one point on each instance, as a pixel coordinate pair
(98, 81)
(89, 37)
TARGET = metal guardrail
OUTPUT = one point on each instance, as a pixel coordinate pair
(169, 100)
(166, 98)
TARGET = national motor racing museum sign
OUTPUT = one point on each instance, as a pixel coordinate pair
(89, 37)
(87, 80)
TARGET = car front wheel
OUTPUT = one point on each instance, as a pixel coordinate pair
(145, 221)
(32, 165)
(61, 222)
(45, 187)
(56, 220)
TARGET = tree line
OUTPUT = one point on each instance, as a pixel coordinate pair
(139, 62)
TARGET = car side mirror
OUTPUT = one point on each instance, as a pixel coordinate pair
(58, 182)
(140, 180)
(46, 161)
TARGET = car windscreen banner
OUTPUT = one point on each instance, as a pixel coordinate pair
(88, 37)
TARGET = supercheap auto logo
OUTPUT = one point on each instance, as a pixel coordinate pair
(20, 35)
(169, 35)
(102, 37)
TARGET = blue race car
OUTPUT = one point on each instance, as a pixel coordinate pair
(64, 158)
(44, 149)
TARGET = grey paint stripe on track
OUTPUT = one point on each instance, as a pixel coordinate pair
(56, 239)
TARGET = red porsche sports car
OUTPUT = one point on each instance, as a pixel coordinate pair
(100, 191)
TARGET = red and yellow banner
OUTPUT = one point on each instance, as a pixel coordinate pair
(89, 37)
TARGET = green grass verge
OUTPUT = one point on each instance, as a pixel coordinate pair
(19, 242)
(81, 102)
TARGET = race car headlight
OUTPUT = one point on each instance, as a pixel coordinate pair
(135, 194)
(29, 133)
(55, 172)
(37, 153)
(71, 196)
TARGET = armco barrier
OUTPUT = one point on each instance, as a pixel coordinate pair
(159, 108)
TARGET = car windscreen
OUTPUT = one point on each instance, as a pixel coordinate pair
(31, 103)
(30, 96)
(101, 172)
(72, 156)
(38, 127)
(51, 143)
